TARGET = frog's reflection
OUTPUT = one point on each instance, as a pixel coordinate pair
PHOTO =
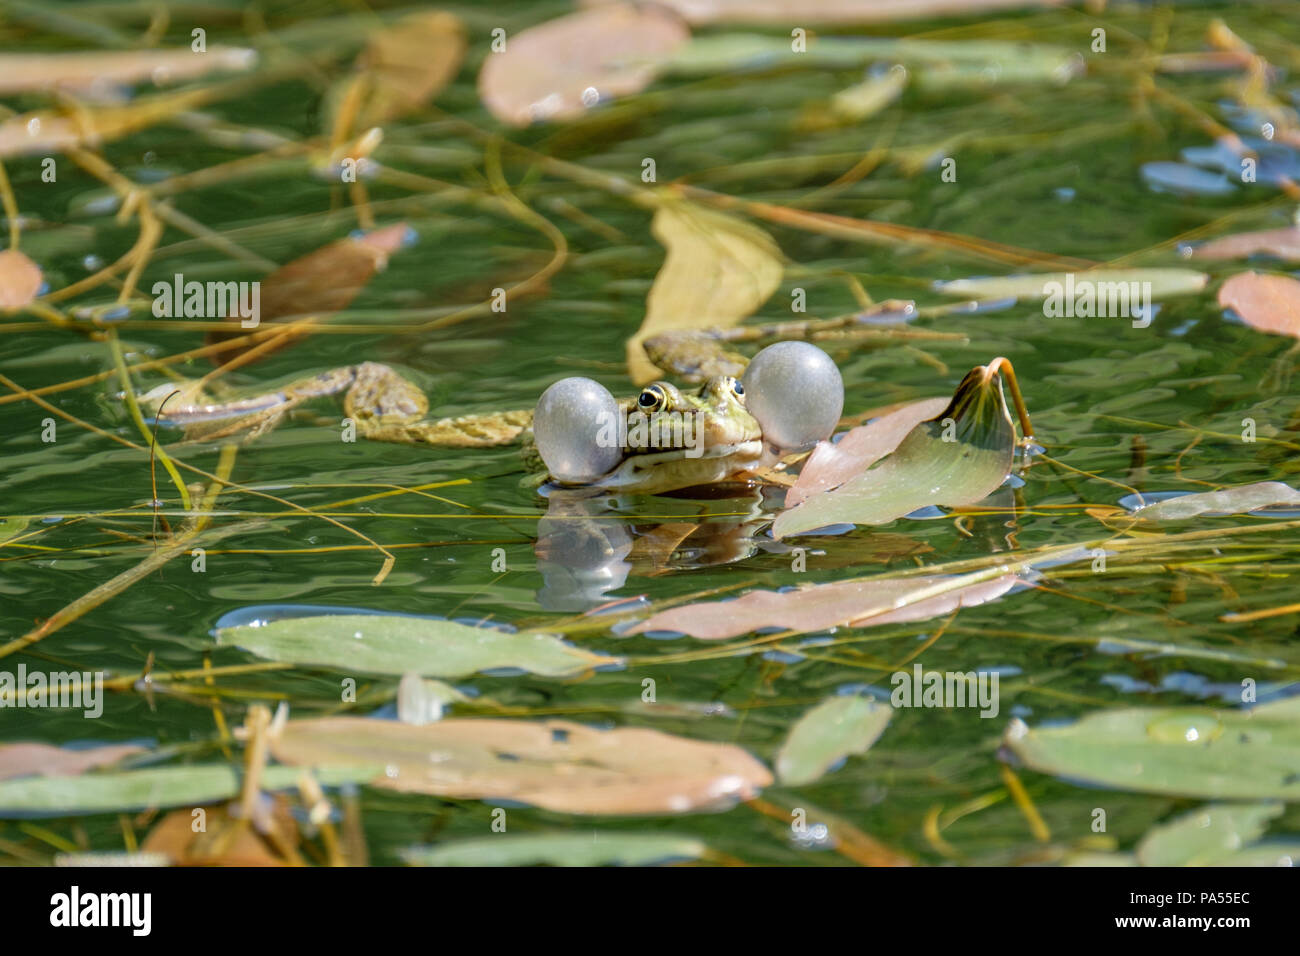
(588, 544)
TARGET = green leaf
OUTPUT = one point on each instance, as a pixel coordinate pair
(832, 730)
(559, 849)
(957, 458)
(1163, 283)
(134, 790)
(398, 644)
(1206, 836)
(1192, 752)
(1229, 501)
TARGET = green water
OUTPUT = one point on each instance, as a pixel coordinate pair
(1155, 409)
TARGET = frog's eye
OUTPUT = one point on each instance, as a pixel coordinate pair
(650, 398)
(737, 389)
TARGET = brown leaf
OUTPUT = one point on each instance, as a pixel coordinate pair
(784, 12)
(1282, 243)
(1266, 302)
(319, 283)
(44, 760)
(544, 72)
(20, 279)
(224, 841)
(24, 72)
(717, 270)
(830, 465)
(407, 64)
(551, 764)
(861, 603)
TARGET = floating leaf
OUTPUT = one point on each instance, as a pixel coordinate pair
(1191, 752)
(1230, 501)
(319, 283)
(865, 602)
(1105, 283)
(22, 760)
(559, 849)
(551, 764)
(835, 728)
(398, 644)
(25, 72)
(1266, 302)
(557, 70)
(133, 790)
(46, 132)
(832, 464)
(20, 279)
(925, 469)
(781, 12)
(717, 270)
(1210, 836)
(1281, 243)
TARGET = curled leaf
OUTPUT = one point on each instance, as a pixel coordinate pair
(957, 458)
(832, 464)
(551, 764)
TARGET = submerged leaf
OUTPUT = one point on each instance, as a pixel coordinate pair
(133, 790)
(835, 728)
(1266, 302)
(1230, 501)
(832, 464)
(406, 64)
(718, 269)
(20, 279)
(551, 764)
(1281, 243)
(398, 644)
(1181, 751)
(559, 849)
(865, 602)
(557, 70)
(1208, 836)
(23, 760)
(317, 284)
(957, 458)
(24, 72)
(1162, 284)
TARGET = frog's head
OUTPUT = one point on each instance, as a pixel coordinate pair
(665, 438)
(675, 439)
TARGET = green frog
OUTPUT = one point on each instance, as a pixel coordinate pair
(716, 432)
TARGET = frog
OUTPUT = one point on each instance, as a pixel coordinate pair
(728, 439)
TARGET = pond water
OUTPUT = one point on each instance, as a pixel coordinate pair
(1116, 407)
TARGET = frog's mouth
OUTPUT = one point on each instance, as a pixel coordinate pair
(677, 467)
